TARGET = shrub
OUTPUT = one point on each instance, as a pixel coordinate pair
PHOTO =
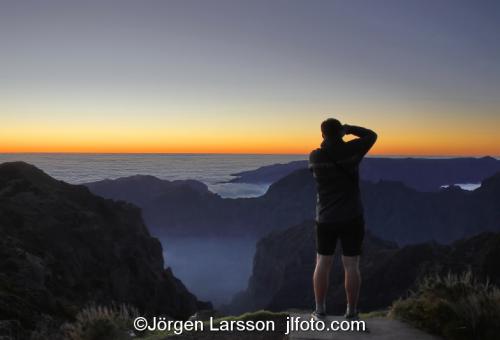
(457, 307)
(113, 322)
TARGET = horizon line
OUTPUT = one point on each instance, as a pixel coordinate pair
(234, 153)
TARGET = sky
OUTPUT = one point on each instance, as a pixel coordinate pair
(248, 76)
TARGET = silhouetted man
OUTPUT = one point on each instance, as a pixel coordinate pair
(339, 211)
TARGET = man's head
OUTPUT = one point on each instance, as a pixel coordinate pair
(332, 128)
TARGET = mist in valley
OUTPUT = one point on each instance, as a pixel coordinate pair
(213, 269)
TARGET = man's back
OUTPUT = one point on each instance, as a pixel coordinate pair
(339, 212)
(335, 167)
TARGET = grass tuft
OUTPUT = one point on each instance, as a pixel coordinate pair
(94, 322)
(457, 307)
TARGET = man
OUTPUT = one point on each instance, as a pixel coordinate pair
(339, 211)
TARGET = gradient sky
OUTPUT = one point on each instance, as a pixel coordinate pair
(248, 76)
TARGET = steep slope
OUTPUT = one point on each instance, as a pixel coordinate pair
(284, 263)
(63, 247)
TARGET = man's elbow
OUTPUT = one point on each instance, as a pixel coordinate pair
(374, 137)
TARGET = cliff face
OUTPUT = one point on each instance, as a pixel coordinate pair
(393, 211)
(283, 267)
(284, 263)
(63, 247)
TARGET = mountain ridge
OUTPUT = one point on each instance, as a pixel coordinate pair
(421, 174)
(448, 214)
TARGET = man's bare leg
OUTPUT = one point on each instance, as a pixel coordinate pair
(352, 282)
(320, 281)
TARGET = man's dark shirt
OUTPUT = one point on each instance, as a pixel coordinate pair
(335, 169)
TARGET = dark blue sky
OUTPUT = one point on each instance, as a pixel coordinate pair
(235, 64)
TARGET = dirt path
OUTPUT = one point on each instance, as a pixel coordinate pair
(379, 328)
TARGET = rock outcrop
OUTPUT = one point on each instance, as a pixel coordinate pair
(62, 247)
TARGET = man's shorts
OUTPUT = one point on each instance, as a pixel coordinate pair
(350, 233)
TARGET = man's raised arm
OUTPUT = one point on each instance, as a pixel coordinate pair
(359, 147)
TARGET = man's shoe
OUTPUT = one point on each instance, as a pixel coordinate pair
(352, 317)
(318, 316)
